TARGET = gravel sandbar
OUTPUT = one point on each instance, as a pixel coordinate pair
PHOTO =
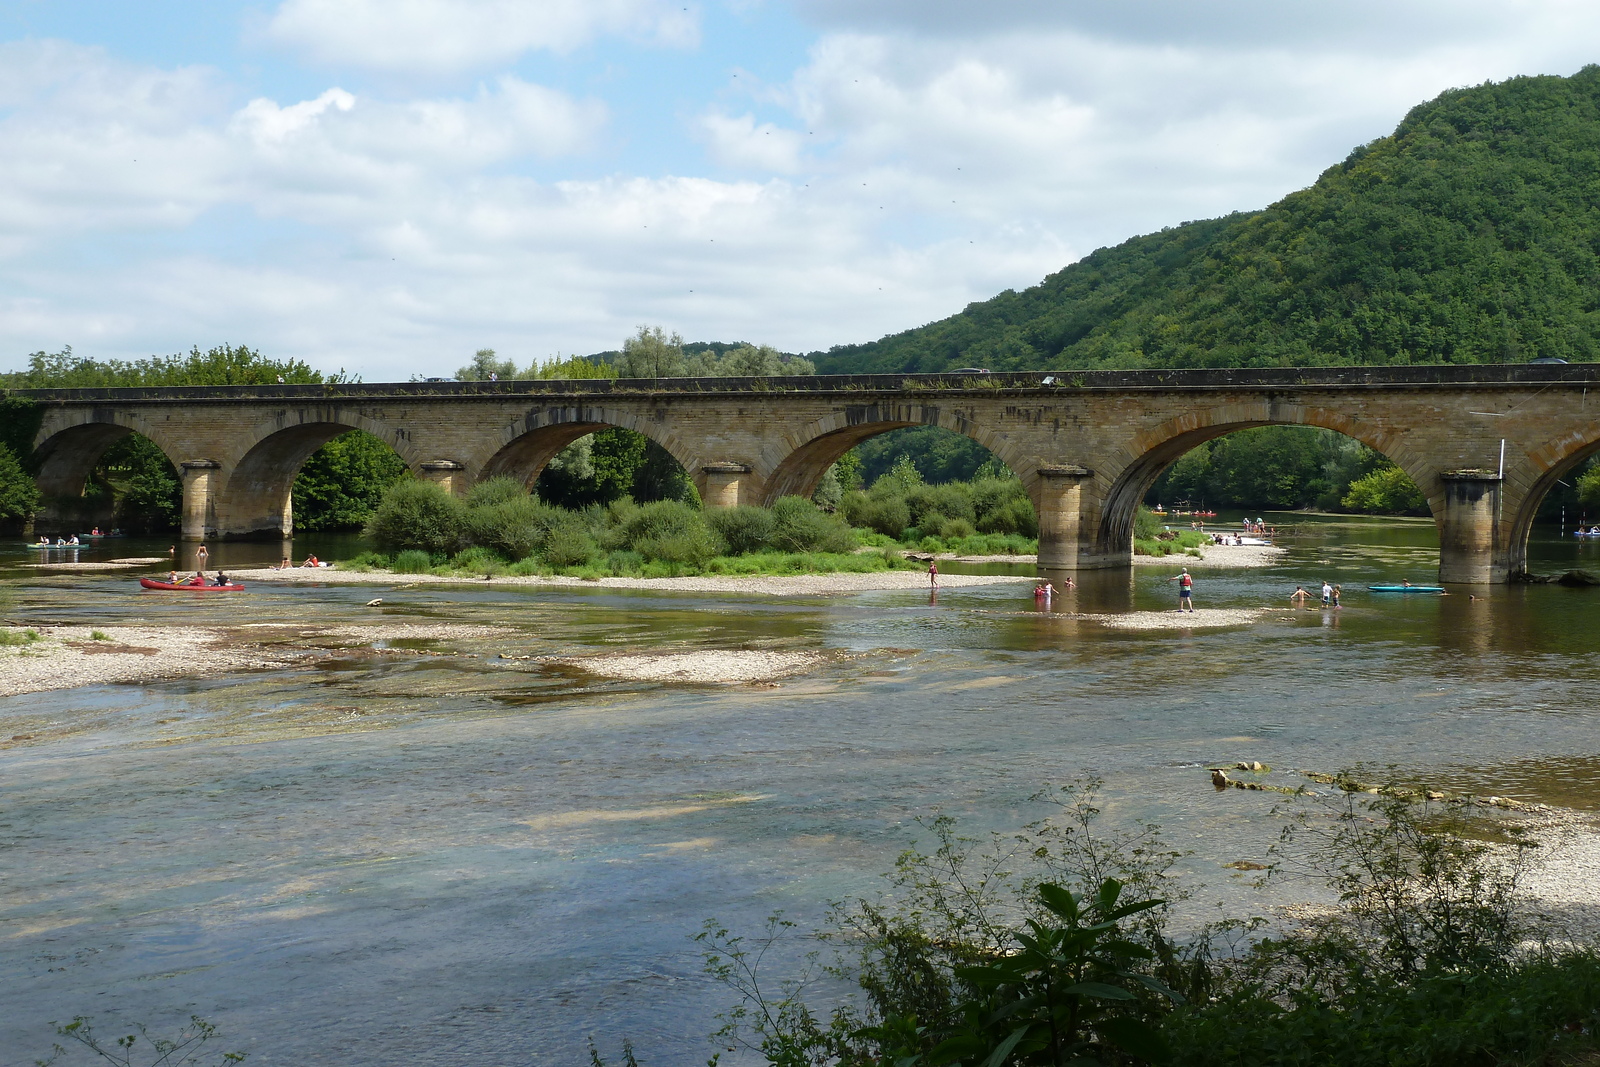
(1217, 556)
(764, 585)
(1200, 618)
(709, 666)
(67, 657)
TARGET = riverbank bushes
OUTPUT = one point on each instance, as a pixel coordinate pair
(900, 505)
(501, 528)
(1054, 945)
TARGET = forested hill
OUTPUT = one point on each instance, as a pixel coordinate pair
(1470, 235)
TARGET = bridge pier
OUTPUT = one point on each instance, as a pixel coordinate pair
(202, 479)
(1469, 529)
(724, 484)
(1062, 530)
(447, 474)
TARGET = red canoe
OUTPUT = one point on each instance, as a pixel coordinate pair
(185, 587)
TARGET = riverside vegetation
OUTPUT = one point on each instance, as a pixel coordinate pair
(500, 528)
(1055, 945)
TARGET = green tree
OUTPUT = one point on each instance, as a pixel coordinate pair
(1386, 491)
(573, 368)
(418, 515)
(139, 483)
(343, 482)
(746, 361)
(1588, 487)
(485, 366)
(19, 496)
(220, 365)
(651, 353)
(939, 455)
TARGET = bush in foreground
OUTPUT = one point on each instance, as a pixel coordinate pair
(1051, 946)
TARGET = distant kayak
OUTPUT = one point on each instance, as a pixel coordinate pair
(1406, 588)
(35, 544)
(184, 587)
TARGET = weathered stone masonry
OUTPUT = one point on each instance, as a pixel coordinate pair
(1087, 445)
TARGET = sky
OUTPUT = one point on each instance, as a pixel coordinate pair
(386, 186)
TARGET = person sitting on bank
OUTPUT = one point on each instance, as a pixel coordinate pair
(311, 561)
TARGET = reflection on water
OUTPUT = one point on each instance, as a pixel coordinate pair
(466, 857)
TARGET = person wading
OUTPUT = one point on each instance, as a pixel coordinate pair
(1185, 589)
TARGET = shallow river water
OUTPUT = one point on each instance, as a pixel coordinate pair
(440, 860)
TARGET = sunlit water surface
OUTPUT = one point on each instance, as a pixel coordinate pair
(439, 860)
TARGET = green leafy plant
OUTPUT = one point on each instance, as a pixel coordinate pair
(184, 1050)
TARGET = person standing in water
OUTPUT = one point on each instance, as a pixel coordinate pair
(1327, 594)
(1185, 589)
(1336, 591)
(1299, 597)
(933, 574)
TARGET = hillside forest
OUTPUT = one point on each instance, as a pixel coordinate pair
(1471, 234)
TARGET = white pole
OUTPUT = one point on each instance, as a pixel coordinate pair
(1502, 457)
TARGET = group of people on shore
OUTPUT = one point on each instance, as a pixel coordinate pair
(287, 564)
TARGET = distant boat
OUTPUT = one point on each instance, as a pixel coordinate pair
(1406, 588)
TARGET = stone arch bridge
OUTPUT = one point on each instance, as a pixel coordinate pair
(1484, 443)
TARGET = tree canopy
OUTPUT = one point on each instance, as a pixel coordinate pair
(1469, 235)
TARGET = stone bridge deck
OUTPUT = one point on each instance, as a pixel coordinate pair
(1086, 444)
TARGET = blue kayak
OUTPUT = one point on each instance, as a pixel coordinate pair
(1406, 588)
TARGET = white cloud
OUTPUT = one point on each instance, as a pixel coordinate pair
(899, 173)
(454, 35)
(738, 141)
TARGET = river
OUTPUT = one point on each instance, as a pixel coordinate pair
(441, 860)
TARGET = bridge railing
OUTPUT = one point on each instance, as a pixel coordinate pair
(1410, 376)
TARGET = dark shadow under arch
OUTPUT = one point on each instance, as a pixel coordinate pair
(1129, 486)
(1522, 523)
(257, 499)
(67, 461)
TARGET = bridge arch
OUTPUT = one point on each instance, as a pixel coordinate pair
(1128, 472)
(525, 446)
(799, 459)
(1549, 464)
(71, 441)
(255, 498)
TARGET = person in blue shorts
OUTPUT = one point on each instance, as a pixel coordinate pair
(1185, 589)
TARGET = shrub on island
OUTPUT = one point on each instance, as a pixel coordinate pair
(501, 528)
